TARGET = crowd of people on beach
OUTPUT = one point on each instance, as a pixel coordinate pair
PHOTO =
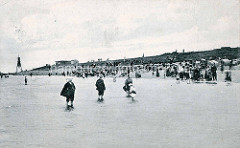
(185, 70)
(182, 71)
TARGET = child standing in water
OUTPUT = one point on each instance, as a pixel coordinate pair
(100, 87)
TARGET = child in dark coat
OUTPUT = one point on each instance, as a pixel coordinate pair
(100, 87)
(68, 91)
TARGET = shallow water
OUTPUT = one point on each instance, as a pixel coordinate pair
(165, 114)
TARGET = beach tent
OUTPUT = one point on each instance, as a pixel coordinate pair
(226, 61)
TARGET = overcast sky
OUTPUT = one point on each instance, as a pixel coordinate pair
(43, 31)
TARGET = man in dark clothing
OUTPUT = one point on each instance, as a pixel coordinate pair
(196, 74)
(228, 77)
(222, 66)
(214, 72)
(100, 87)
(68, 91)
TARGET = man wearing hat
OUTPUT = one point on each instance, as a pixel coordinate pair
(100, 87)
(68, 91)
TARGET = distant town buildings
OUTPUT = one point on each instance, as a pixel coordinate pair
(66, 62)
(64, 66)
(62, 62)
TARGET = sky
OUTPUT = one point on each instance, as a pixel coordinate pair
(44, 31)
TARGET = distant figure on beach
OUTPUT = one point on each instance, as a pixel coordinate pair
(196, 73)
(181, 71)
(208, 74)
(157, 73)
(129, 88)
(100, 88)
(68, 91)
(228, 77)
(25, 80)
(222, 66)
(230, 65)
(214, 72)
(127, 82)
(128, 71)
(137, 74)
(187, 74)
(164, 71)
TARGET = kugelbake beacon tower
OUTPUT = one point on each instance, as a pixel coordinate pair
(19, 66)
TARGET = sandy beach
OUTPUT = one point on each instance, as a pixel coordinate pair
(165, 114)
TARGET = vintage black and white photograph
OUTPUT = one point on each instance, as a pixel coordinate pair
(119, 73)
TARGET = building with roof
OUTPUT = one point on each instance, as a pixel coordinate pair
(64, 67)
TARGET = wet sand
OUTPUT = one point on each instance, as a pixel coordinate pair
(165, 114)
